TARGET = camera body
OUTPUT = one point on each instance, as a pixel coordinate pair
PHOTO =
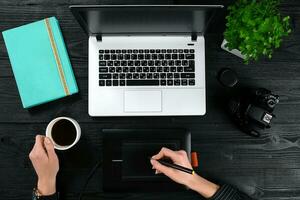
(252, 109)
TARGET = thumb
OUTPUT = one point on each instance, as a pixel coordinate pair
(161, 168)
(49, 147)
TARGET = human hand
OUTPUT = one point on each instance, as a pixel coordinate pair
(45, 163)
(192, 181)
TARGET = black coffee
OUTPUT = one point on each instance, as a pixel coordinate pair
(63, 132)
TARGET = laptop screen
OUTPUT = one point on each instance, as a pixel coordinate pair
(143, 19)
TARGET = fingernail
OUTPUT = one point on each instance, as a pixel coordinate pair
(47, 140)
(156, 172)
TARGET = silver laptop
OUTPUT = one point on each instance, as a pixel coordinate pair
(146, 60)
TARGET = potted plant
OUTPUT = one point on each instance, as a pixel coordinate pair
(254, 28)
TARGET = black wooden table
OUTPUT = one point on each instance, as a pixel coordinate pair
(265, 168)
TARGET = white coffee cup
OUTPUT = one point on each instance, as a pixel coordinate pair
(49, 132)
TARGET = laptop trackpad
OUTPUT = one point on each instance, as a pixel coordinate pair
(142, 101)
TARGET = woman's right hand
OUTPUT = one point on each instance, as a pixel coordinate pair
(193, 181)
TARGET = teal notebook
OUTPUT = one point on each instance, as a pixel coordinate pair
(40, 62)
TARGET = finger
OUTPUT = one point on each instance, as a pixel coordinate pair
(161, 168)
(165, 152)
(49, 148)
(39, 144)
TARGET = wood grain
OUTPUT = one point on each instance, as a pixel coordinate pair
(266, 168)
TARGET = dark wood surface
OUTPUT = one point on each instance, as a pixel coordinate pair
(265, 168)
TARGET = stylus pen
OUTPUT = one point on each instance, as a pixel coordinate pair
(174, 166)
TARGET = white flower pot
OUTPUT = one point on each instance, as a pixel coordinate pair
(233, 51)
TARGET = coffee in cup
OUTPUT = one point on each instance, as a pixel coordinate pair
(64, 132)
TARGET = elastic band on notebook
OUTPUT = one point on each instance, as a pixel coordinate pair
(56, 56)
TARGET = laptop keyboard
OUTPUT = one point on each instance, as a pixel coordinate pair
(146, 67)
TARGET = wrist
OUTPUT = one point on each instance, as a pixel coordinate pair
(46, 186)
(204, 187)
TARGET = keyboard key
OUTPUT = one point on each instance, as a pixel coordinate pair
(187, 75)
(161, 56)
(178, 63)
(113, 56)
(157, 63)
(122, 76)
(101, 57)
(181, 56)
(147, 56)
(106, 51)
(159, 69)
(125, 69)
(185, 63)
(110, 63)
(133, 56)
(132, 69)
(154, 56)
(135, 51)
(145, 69)
(177, 82)
(191, 63)
(112, 69)
(142, 82)
(103, 69)
(130, 63)
(169, 75)
(162, 75)
(173, 69)
(175, 51)
(120, 57)
(117, 63)
(142, 76)
(152, 51)
(115, 82)
(123, 63)
(135, 76)
(156, 75)
(168, 56)
(137, 63)
(192, 51)
(163, 82)
(129, 76)
(174, 56)
(192, 82)
(169, 82)
(127, 56)
(164, 63)
(164, 51)
(102, 63)
(141, 56)
(176, 75)
(104, 76)
(189, 69)
(139, 69)
(149, 76)
(180, 50)
(150, 63)
(118, 51)
(169, 50)
(146, 50)
(108, 82)
(179, 69)
(101, 51)
(189, 56)
(144, 63)
(157, 51)
(112, 51)
(129, 51)
(106, 56)
(152, 69)
(123, 50)
(122, 82)
(171, 62)
(183, 82)
(101, 83)
(141, 51)
(115, 76)
(185, 50)
(166, 69)
(119, 69)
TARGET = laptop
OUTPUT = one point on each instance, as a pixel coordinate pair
(145, 60)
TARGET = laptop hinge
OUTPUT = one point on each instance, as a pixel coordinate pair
(99, 38)
(194, 37)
